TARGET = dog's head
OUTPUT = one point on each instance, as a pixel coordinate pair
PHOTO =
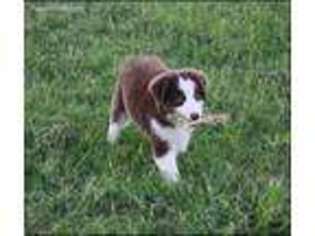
(180, 91)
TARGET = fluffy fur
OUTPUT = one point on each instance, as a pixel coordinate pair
(148, 93)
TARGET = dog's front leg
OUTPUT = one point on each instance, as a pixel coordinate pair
(165, 159)
(167, 166)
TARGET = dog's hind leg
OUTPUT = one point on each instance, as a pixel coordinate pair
(118, 116)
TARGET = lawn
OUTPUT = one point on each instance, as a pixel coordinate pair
(235, 178)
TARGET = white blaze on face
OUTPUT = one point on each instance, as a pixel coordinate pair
(191, 104)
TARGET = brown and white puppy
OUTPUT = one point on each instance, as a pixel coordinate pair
(148, 92)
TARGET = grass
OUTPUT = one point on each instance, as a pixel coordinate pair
(235, 178)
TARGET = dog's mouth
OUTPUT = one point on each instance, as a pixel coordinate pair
(178, 119)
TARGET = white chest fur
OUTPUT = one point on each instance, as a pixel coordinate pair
(177, 137)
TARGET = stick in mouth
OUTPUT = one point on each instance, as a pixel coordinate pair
(210, 119)
(206, 119)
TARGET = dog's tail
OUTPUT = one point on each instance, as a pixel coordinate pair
(133, 61)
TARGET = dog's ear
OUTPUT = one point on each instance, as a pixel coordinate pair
(197, 75)
(161, 85)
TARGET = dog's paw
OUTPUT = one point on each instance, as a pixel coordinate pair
(170, 177)
(113, 133)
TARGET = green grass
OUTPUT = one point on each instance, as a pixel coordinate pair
(235, 178)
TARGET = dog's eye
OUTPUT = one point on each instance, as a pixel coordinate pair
(178, 99)
(199, 95)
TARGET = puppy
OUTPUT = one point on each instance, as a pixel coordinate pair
(148, 92)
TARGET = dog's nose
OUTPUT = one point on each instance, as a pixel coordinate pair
(194, 116)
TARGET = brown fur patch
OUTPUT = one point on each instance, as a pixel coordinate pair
(160, 147)
(135, 77)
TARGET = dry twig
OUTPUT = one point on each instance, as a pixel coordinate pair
(206, 119)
